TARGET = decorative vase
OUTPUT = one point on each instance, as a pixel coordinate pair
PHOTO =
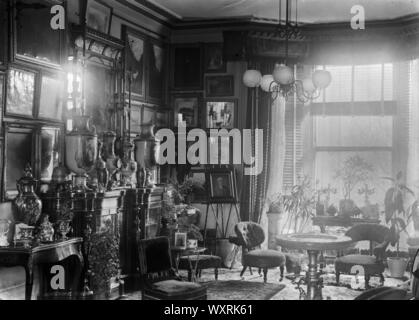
(129, 166)
(99, 174)
(46, 233)
(27, 204)
(147, 150)
(81, 151)
(112, 161)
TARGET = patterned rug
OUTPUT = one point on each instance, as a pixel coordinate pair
(242, 290)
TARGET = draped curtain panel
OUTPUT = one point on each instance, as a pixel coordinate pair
(269, 116)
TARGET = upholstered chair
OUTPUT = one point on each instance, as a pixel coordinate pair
(160, 281)
(250, 236)
(373, 264)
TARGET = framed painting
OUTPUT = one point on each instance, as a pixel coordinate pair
(33, 18)
(214, 58)
(20, 92)
(156, 70)
(51, 97)
(49, 142)
(19, 147)
(221, 114)
(99, 16)
(221, 185)
(187, 62)
(186, 108)
(134, 62)
(219, 86)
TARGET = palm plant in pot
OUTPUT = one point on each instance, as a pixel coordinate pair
(398, 218)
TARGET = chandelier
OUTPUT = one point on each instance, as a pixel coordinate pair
(282, 81)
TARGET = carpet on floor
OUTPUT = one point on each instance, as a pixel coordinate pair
(241, 290)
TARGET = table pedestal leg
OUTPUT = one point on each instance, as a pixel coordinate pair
(314, 290)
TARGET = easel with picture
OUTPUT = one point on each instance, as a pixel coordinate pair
(222, 193)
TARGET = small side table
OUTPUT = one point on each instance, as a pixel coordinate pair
(15, 256)
(180, 251)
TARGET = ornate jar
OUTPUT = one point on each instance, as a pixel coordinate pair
(99, 174)
(147, 150)
(81, 150)
(112, 161)
(27, 204)
(128, 165)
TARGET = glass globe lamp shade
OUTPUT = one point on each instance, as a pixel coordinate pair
(283, 75)
(266, 81)
(252, 78)
(322, 79)
(308, 85)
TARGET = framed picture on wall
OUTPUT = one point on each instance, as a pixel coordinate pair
(221, 114)
(51, 97)
(156, 70)
(20, 92)
(187, 62)
(99, 16)
(49, 141)
(19, 147)
(134, 62)
(186, 108)
(219, 86)
(222, 185)
(214, 58)
(34, 39)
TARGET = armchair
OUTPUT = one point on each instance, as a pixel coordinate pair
(250, 236)
(373, 264)
(160, 281)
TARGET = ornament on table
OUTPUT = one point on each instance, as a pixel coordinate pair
(46, 233)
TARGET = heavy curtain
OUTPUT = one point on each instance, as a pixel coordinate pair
(268, 115)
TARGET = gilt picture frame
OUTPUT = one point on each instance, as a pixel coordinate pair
(187, 60)
(99, 16)
(219, 86)
(20, 92)
(220, 113)
(214, 58)
(135, 59)
(186, 108)
(221, 185)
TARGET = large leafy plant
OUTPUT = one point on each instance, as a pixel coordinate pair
(299, 206)
(394, 208)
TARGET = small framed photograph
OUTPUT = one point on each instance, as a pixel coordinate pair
(219, 86)
(99, 16)
(180, 240)
(20, 92)
(214, 58)
(222, 185)
(220, 114)
(51, 97)
(186, 107)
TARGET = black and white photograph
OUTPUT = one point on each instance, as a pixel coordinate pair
(233, 154)
(220, 114)
(186, 109)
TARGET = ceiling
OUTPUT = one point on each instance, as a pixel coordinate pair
(309, 11)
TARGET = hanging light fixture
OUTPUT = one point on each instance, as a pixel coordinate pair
(282, 81)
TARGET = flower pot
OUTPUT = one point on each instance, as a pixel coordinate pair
(224, 250)
(397, 266)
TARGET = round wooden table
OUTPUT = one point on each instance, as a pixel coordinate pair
(313, 243)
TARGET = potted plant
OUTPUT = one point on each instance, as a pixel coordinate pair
(398, 218)
(354, 170)
(300, 206)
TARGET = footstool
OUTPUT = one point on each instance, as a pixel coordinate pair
(204, 262)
